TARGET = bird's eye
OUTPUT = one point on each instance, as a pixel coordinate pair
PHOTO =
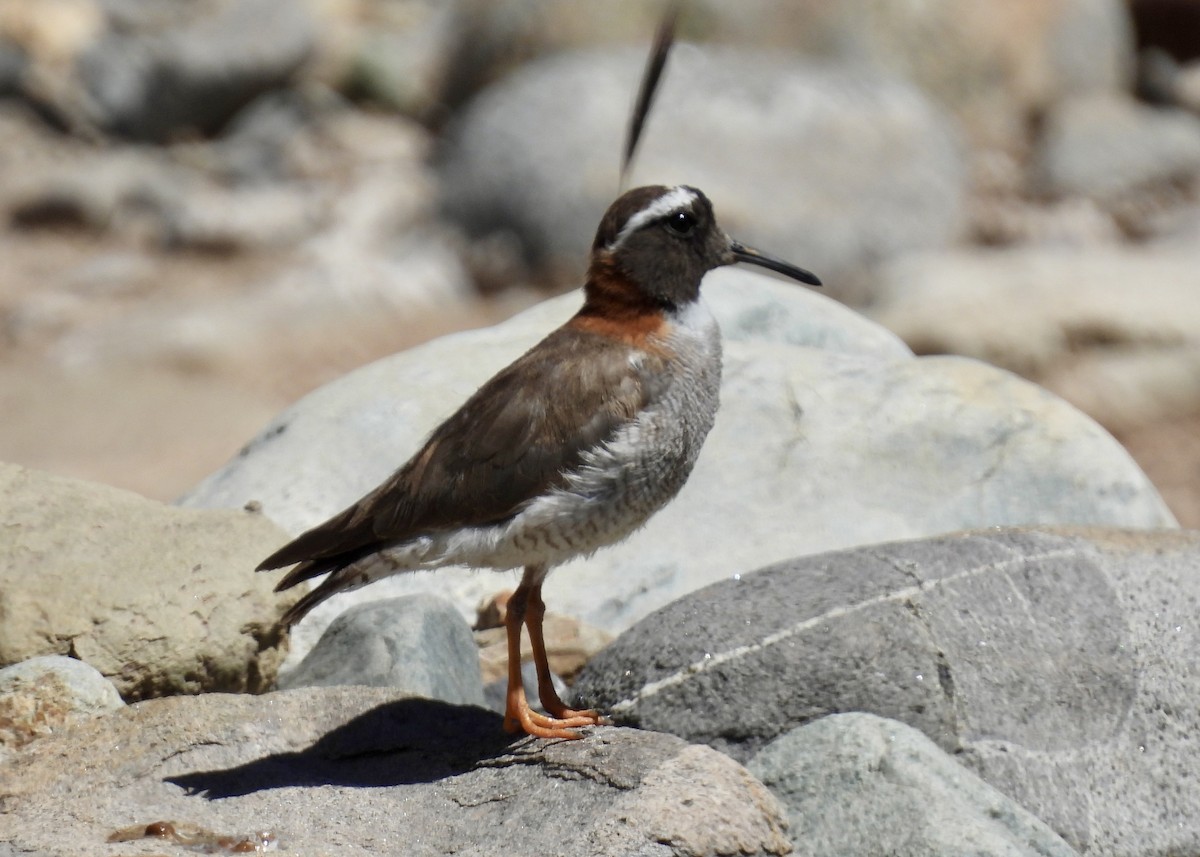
(681, 223)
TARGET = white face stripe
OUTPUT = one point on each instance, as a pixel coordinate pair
(675, 198)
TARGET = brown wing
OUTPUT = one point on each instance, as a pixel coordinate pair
(512, 440)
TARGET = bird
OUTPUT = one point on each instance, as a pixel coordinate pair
(571, 448)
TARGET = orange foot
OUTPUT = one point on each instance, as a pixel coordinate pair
(558, 710)
(519, 717)
(525, 607)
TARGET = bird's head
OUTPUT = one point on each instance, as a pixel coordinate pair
(663, 240)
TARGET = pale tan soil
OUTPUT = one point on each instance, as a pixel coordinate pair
(1169, 452)
(157, 422)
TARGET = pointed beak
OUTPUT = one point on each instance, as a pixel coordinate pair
(742, 253)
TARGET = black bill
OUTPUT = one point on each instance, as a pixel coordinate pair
(742, 253)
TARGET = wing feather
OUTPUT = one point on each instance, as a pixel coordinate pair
(513, 440)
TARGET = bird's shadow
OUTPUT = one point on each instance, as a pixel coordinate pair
(406, 741)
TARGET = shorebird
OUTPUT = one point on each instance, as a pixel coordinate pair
(570, 448)
(573, 446)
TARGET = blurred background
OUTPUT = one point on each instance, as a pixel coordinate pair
(210, 207)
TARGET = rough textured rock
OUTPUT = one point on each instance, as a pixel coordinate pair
(860, 784)
(848, 442)
(1057, 665)
(349, 770)
(834, 168)
(1068, 318)
(160, 600)
(1106, 147)
(43, 695)
(419, 644)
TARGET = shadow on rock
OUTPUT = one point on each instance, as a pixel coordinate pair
(407, 741)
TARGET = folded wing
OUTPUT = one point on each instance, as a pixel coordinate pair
(510, 442)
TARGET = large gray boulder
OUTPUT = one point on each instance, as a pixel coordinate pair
(830, 435)
(1059, 666)
(863, 785)
(159, 599)
(833, 167)
(1114, 330)
(354, 770)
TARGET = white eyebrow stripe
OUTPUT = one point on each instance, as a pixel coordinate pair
(675, 198)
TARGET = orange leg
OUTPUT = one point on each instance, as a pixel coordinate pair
(518, 716)
(534, 613)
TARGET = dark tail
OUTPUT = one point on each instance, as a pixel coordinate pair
(329, 548)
